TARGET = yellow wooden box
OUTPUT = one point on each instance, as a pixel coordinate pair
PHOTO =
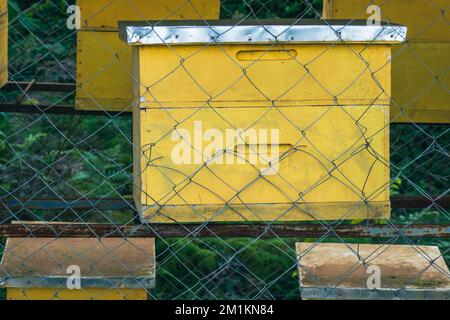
(110, 269)
(3, 43)
(103, 72)
(104, 14)
(332, 151)
(426, 20)
(104, 62)
(420, 69)
(420, 82)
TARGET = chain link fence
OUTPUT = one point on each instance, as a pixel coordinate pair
(315, 156)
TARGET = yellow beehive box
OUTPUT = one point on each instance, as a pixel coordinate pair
(78, 269)
(426, 20)
(420, 77)
(103, 72)
(3, 43)
(340, 271)
(104, 62)
(420, 82)
(104, 14)
(304, 146)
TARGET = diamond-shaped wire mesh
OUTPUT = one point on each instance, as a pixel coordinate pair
(311, 144)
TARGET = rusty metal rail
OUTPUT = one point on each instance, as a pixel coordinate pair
(56, 109)
(39, 86)
(72, 230)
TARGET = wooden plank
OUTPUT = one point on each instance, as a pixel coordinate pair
(43, 262)
(346, 266)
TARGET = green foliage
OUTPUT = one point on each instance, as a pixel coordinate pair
(236, 269)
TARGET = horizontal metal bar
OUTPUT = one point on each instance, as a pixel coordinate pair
(39, 86)
(419, 202)
(374, 294)
(165, 230)
(397, 202)
(291, 32)
(63, 204)
(47, 281)
(57, 109)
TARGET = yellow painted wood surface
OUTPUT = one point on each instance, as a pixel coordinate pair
(103, 72)
(104, 14)
(168, 192)
(3, 5)
(3, 43)
(104, 62)
(420, 69)
(82, 294)
(420, 83)
(427, 20)
(246, 76)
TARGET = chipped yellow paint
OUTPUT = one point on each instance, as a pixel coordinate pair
(188, 76)
(3, 43)
(420, 68)
(81, 294)
(333, 136)
(105, 14)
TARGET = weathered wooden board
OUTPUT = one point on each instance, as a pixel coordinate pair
(34, 268)
(342, 271)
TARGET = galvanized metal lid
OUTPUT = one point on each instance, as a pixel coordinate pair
(258, 32)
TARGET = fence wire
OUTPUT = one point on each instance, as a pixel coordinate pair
(343, 162)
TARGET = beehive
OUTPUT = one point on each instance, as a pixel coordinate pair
(3, 42)
(340, 271)
(299, 153)
(420, 76)
(110, 269)
(104, 62)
